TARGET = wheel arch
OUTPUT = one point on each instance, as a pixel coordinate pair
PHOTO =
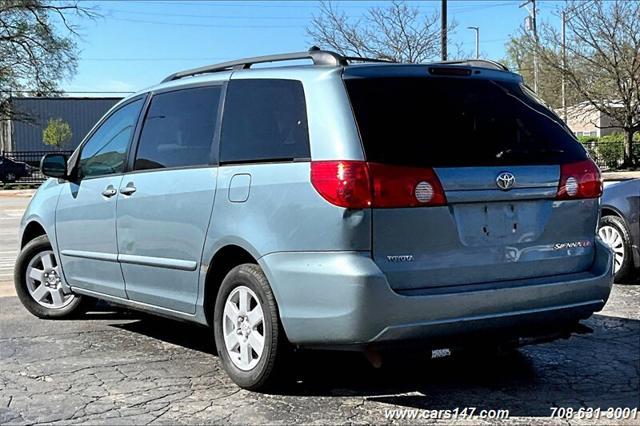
(607, 210)
(223, 261)
(32, 230)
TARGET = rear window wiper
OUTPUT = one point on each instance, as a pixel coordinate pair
(522, 152)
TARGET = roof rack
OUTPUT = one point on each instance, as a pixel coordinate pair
(482, 63)
(318, 56)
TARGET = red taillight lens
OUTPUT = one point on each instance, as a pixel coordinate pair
(357, 185)
(343, 183)
(579, 180)
(396, 186)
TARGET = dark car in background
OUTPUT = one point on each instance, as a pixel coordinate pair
(620, 226)
(11, 170)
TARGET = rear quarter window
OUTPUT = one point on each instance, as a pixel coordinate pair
(455, 122)
(264, 120)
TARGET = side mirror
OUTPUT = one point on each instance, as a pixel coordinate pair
(54, 165)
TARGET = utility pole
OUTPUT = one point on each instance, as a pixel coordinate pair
(534, 30)
(443, 30)
(477, 30)
(564, 65)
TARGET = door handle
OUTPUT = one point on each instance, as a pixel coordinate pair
(109, 192)
(128, 190)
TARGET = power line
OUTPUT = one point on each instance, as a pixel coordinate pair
(466, 9)
(458, 9)
(201, 16)
(268, 5)
(184, 24)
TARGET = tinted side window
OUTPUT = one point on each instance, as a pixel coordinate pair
(178, 129)
(264, 120)
(105, 152)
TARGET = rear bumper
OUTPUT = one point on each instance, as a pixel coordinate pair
(333, 299)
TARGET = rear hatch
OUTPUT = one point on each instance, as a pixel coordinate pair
(499, 157)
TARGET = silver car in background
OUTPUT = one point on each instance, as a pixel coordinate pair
(620, 226)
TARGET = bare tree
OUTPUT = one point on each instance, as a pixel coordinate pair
(602, 59)
(519, 58)
(37, 48)
(397, 32)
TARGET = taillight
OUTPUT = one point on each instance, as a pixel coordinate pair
(579, 180)
(396, 186)
(343, 183)
(357, 185)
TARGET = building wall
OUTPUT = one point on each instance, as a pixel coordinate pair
(81, 114)
(606, 121)
(584, 120)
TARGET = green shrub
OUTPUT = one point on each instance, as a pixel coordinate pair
(57, 133)
(611, 149)
(587, 139)
(590, 144)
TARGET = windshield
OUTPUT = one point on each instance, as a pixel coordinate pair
(453, 122)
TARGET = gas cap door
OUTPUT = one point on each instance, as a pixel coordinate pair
(239, 188)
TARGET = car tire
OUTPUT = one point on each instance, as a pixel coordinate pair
(613, 231)
(38, 282)
(245, 325)
(10, 177)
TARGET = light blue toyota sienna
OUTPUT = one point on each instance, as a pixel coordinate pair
(344, 204)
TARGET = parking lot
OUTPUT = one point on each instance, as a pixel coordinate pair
(116, 366)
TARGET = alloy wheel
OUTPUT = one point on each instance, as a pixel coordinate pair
(243, 328)
(44, 282)
(612, 237)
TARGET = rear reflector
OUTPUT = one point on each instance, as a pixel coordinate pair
(358, 184)
(579, 180)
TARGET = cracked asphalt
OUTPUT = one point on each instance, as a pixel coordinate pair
(121, 367)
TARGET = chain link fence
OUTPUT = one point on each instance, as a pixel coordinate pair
(609, 154)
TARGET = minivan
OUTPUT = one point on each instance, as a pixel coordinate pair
(345, 204)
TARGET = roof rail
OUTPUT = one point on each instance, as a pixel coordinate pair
(319, 57)
(482, 63)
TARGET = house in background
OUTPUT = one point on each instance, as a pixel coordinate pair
(26, 135)
(585, 120)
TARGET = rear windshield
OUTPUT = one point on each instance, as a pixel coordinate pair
(453, 122)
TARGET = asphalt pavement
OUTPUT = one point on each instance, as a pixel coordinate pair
(115, 366)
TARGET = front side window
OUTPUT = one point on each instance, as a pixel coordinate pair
(178, 129)
(264, 120)
(105, 153)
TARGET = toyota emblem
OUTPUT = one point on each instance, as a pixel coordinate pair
(505, 181)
